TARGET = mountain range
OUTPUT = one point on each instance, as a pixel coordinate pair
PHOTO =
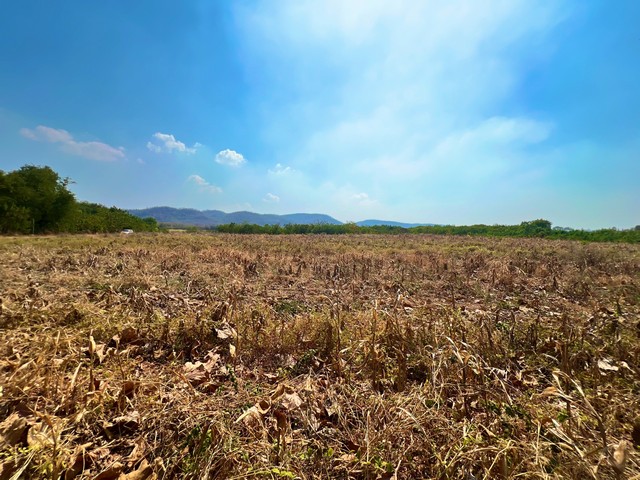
(211, 218)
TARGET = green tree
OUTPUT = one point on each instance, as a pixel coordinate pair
(33, 199)
(536, 228)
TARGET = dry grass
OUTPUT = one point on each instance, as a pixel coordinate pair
(214, 356)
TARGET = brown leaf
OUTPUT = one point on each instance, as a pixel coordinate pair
(281, 420)
(291, 401)
(13, 431)
(635, 433)
(195, 373)
(288, 397)
(143, 472)
(263, 406)
(279, 391)
(252, 418)
(128, 335)
(212, 361)
(619, 458)
(121, 425)
(129, 387)
(130, 421)
(78, 461)
(549, 392)
(138, 452)
(111, 473)
(8, 468)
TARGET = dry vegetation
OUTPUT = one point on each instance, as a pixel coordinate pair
(219, 356)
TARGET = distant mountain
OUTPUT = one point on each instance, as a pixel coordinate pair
(208, 218)
(389, 223)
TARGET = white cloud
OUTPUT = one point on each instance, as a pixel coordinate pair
(271, 198)
(280, 169)
(230, 157)
(167, 143)
(91, 150)
(203, 184)
(363, 199)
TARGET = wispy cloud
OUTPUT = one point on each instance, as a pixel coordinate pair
(400, 88)
(90, 150)
(280, 169)
(271, 198)
(363, 199)
(230, 157)
(167, 143)
(203, 185)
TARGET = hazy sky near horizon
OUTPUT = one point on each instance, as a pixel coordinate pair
(442, 111)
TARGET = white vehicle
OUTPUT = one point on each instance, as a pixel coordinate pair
(126, 231)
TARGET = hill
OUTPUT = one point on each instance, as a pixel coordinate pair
(206, 218)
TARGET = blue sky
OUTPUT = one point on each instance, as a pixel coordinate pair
(443, 111)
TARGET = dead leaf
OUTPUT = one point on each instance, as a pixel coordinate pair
(549, 392)
(605, 365)
(263, 406)
(635, 432)
(129, 388)
(92, 345)
(619, 458)
(226, 332)
(121, 425)
(212, 361)
(138, 452)
(102, 352)
(13, 431)
(128, 335)
(252, 417)
(281, 420)
(78, 462)
(195, 373)
(40, 436)
(287, 396)
(8, 468)
(291, 401)
(279, 391)
(143, 472)
(111, 473)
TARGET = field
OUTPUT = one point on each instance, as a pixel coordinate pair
(375, 357)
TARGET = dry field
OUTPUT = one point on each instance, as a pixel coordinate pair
(373, 357)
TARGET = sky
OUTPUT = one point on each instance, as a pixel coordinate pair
(433, 111)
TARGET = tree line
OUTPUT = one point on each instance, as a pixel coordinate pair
(536, 228)
(37, 200)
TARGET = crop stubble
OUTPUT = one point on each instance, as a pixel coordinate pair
(409, 356)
